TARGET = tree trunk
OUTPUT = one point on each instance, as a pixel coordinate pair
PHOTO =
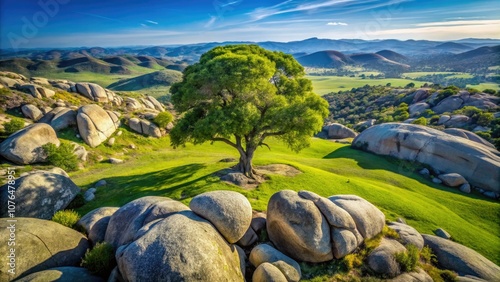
(245, 164)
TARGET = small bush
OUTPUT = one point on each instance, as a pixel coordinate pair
(61, 156)
(163, 119)
(427, 256)
(352, 261)
(68, 218)
(420, 120)
(12, 126)
(489, 91)
(100, 260)
(408, 260)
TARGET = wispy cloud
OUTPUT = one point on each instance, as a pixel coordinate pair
(290, 7)
(151, 22)
(336, 23)
(459, 23)
(444, 30)
(210, 22)
(100, 17)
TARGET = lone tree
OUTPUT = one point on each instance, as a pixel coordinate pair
(243, 94)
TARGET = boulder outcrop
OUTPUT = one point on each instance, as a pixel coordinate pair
(43, 244)
(441, 151)
(25, 146)
(181, 247)
(338, 131)
(95, 124)
(461, 259)
(42, 194)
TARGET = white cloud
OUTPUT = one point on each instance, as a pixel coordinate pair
(151, 22)
(337, 23)
(211, 21)
(460, 23)
(283, 8)
(442, 31)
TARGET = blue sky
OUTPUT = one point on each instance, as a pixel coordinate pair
(75, 23)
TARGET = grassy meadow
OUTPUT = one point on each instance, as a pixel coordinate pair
(326, 84)
(328, 168)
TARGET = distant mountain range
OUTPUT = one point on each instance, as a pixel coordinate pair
(192, 52)
(392, 57)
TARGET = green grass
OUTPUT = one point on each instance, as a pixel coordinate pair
(483, 86)
(417, 74)
(327, 84)
(328, 169)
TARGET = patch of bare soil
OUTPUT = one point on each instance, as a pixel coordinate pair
(237, 178)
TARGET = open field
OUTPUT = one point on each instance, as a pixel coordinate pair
(327, 84)
(483, 86)
(414, 75)
(329, 168)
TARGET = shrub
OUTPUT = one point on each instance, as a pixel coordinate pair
(434, 119)
(410, 85)
(100, 260)
(427, 256)
(420, 120)
(14, 125)
(351, 261)
(408, 260)
(68, 218)
(489, 91)
(484, 119)
(484, 134)
(61, 156)
(163, 119)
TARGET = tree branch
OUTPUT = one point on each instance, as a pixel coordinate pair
(225, 141)
(264, 144)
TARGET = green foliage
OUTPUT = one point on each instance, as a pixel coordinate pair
(408, 260)
(12, 126)
(490, 91)
(434, 119)
(351, 261)
(410, 85)
(484, 119)
(61, 156)
(401, 112)
(68, 218)
(242, 94)
(420, 120)
(439, 275)
(427, 256)
(100, 260)
(163, 119)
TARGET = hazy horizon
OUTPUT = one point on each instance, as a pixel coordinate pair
(72, 23)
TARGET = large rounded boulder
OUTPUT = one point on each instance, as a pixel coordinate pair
(181, 247)
(96, 222)
(230, 212)
(95, 124)
(126, 221)
(461, 259)
(25, 146)
(40, 194)
(297, 228)
(338, 131)
(441, 151)
(40, 245)
(369, 219)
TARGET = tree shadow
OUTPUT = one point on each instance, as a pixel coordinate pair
(175, 182)
(409, 169)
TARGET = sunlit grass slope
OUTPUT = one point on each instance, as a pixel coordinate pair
(329, 168)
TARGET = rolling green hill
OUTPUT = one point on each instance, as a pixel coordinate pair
(329, 168)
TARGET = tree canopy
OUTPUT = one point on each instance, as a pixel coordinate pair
(243, 94)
